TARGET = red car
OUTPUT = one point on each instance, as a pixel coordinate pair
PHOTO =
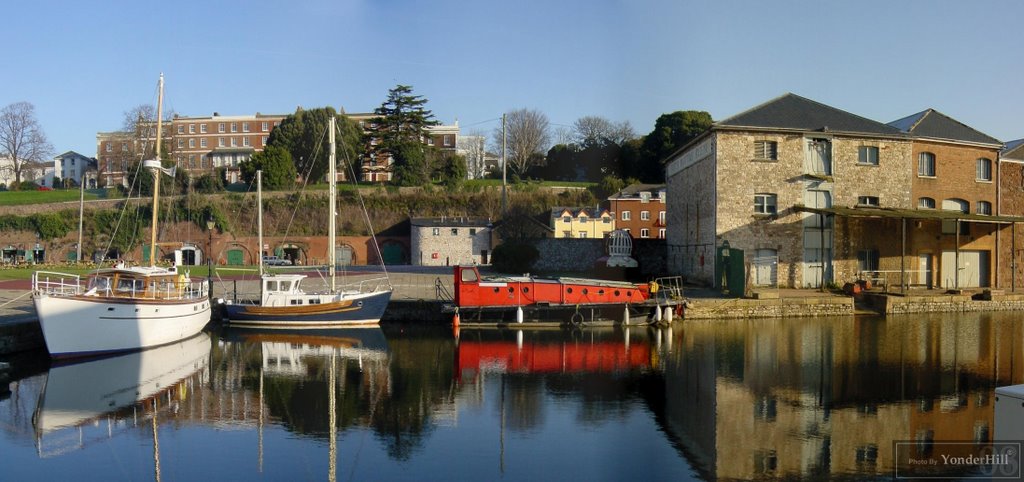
(44, 188)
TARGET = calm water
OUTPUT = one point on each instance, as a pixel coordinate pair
(810, 398)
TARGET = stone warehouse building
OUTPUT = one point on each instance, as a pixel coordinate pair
(448, 241)
(815, 195)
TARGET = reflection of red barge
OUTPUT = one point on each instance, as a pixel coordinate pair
(507, 356)
(576, 300)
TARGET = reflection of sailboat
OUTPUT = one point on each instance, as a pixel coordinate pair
(77, 396)
(283, 303)
(289, 355)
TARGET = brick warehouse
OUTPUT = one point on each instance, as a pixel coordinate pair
(815, 195)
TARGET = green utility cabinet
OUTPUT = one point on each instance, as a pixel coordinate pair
(729, 272)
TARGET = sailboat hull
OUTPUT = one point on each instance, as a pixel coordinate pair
(77, 326)
(356, 309)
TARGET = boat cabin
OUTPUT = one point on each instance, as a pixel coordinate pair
(139, 282)
(283, 290)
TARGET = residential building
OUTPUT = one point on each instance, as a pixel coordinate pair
(585, 222)
(954, 169)
(765, 181)
(203, 144)
(73, 167)
(118, 151)
(377, 168)
(639, 209)
(473, 149)
(448, 241)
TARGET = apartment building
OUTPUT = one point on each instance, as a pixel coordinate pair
(202, 144)
(639, 209)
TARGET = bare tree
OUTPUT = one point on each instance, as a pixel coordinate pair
(473, 146)
(527, 138)
(21, 137)
(593, 130)
(564, 135)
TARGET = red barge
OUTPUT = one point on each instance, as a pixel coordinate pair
(508, 299)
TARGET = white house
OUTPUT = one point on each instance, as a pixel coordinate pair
(71, 166)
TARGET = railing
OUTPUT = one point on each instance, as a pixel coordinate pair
(884, 278)
(441, 291)
(58, 284)
(670, 288)
(65, 284)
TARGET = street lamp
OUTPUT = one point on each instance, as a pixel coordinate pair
(210, 224)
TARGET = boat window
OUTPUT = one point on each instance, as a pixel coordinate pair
(130, 285)
(568, 290)
(495, 290)
(616, 292)
(526, 289)
(511, 289)
(296, 302)
(469, 276)
(586, 291)
(271, 285)
(286, 286)
(314, 301)
(600, 292)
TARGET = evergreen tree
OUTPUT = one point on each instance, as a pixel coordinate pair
(276, 164)
(401, 121)
(304, 135)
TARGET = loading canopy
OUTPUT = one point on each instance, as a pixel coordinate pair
(921, 214)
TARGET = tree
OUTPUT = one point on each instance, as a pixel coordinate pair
(450, 169)
(277, 166)
(597, 131)
(671, 131)
(304, 135)
(21, 137)
(527, 135)
(401, 124)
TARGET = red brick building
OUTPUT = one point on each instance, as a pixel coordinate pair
(640, 210)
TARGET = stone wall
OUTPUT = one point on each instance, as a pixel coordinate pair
(691, 216)
(448, 249)
(715, 309)
(956, 303)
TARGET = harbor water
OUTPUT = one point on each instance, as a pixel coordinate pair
(819, 398)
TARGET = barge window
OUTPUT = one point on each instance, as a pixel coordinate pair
(469, 276)
(568, 290)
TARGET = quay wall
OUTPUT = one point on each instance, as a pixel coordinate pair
(955, 303)
(714, 309)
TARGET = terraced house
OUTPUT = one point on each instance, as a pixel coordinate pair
(815, 195)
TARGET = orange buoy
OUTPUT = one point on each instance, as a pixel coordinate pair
(455, 320)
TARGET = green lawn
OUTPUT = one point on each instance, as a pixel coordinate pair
(15, 198)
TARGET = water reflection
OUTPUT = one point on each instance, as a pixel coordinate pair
(93, 400)
(801, 398)
(828, 397)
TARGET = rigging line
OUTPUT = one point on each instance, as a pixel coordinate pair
(366, 214)
(305, 181)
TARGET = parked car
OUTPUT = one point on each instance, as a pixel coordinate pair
(275, 261)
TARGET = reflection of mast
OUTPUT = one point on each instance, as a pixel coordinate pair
(156, 445)
(259, 422)
(332, 400)
(502, 431)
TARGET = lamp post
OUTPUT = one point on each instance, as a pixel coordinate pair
(210, 224)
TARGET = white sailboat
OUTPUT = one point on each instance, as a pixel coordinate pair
(121, 308)
(283, 303)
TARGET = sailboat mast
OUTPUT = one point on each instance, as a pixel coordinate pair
(331, 204)
(259, 220)
(156, 172)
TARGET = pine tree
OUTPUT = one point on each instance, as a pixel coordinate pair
(401, 121)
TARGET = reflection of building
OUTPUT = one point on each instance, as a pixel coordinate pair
(821, 399)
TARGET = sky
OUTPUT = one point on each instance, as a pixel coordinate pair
(83, 64)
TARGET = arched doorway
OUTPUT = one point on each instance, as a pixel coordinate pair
(344, 255)
(291, 252)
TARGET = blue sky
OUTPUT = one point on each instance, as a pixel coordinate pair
(82, 64)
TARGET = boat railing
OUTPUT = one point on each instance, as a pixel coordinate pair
(54, 283)
(670, 288)
(371, 285)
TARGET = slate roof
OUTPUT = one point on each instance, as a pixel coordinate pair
(1012, 146)
(634, 190)
(933, 124)
(791, 111)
